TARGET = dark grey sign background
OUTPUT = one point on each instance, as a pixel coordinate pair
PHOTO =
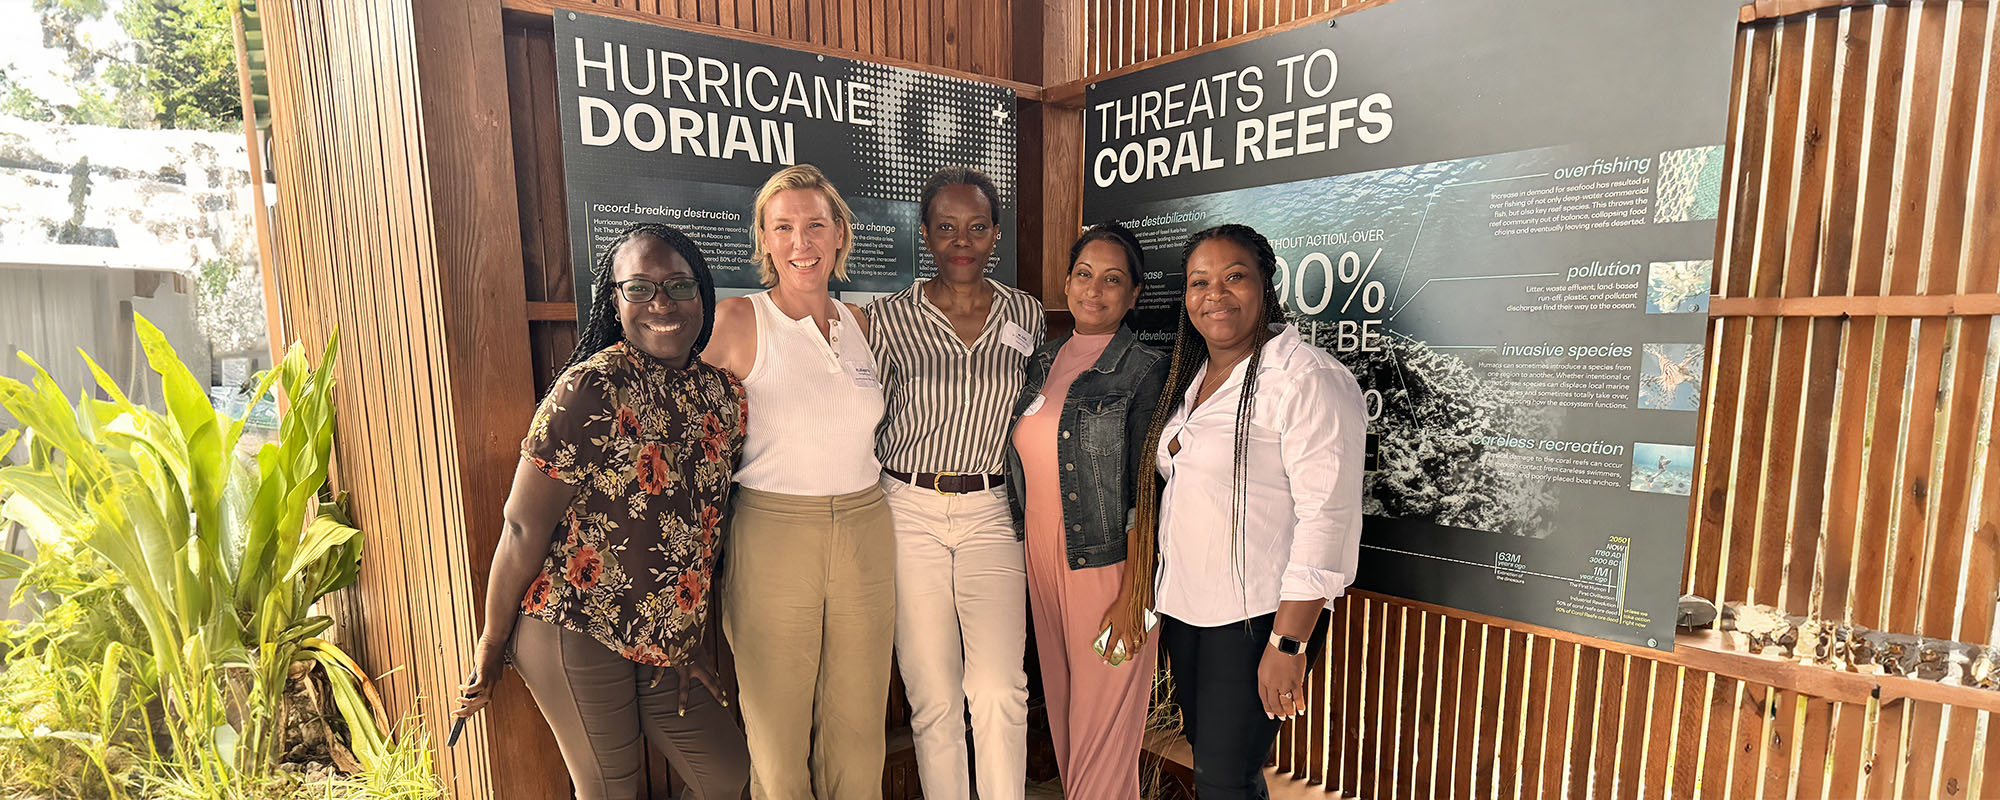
(923, 122)
(1492, 90)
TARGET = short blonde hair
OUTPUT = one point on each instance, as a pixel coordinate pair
(802, 176)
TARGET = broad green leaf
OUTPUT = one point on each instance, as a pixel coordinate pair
(323, 534)
(161, 534)
(107, 679)
(265, 380)
(112, 535)
(306, 629)
(259, 550)
(363, 708)
(292, 524)
(236, 510)
(195, 418)
(105, 382)
(226, 740)
(40, 502)
(139, 428)
(43, 409)
(344, 567)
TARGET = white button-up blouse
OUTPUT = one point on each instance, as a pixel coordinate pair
(1301, 529)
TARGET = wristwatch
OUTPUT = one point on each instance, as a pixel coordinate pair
(1287, 645)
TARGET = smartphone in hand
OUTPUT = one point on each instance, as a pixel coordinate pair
(1118, 655)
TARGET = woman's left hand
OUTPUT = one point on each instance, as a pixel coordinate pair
(1281, 683)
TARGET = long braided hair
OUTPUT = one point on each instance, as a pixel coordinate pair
(603, 328)
(1189, 354)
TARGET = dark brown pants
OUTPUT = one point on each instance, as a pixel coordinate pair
(599, 704)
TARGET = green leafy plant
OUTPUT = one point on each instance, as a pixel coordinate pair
(152, 529)
(70, 726)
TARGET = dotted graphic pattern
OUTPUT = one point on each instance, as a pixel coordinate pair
(925, 122)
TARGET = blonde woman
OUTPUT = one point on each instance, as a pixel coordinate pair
(809, 599)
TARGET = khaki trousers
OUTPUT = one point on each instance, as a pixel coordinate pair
(810, 610)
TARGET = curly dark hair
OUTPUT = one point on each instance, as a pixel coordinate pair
(603, 329)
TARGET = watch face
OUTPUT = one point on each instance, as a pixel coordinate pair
(1290, 646)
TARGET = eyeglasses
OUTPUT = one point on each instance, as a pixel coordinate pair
(640, 290)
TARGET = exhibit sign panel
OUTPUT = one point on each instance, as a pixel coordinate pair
(1502, 218)
(664, 125)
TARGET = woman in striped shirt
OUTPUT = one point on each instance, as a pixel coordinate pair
(952, 350)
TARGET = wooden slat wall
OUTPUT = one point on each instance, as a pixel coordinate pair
(393, 223)
(1120, 33)
(969, 36)
(1847, 470)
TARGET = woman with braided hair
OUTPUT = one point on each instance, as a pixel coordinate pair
(599, 587)
(1258, 439)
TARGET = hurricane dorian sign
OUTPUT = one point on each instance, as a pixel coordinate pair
(664, 125)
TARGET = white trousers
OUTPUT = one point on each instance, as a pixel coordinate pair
(961, 632)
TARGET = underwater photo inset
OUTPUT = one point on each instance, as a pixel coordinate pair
(1670, 376)
(1690, 185)
(1662, 468)
(1678, 287)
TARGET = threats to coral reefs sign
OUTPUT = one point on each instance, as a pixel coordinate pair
(1502, 217)
(664, 125)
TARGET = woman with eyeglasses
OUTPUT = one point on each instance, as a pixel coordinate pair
(1251, 520)
(809, 599)
(599, 586)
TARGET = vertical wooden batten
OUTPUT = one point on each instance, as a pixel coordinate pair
(1051, 152)
(395, 221)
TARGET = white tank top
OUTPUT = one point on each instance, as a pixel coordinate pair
(814, 406)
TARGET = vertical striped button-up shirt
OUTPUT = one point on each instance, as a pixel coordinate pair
(949, 404)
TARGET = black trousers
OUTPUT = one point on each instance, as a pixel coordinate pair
(1215, 684)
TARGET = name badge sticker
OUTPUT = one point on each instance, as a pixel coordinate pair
(1035, 405)
(863, 374)
(1017, 337)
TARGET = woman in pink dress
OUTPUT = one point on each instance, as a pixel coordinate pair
(1073, 456)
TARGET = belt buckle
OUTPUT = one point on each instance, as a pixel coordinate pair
(936, 478)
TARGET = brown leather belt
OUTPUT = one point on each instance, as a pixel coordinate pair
(949, 482)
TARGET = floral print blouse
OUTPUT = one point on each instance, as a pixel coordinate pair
(650, 450)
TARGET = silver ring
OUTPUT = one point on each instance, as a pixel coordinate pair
(1284, 694)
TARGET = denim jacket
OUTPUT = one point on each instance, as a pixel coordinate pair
(1102, 430)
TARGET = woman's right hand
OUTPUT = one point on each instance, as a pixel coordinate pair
(1126, 620)
(1121, 634)
(488, 661)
